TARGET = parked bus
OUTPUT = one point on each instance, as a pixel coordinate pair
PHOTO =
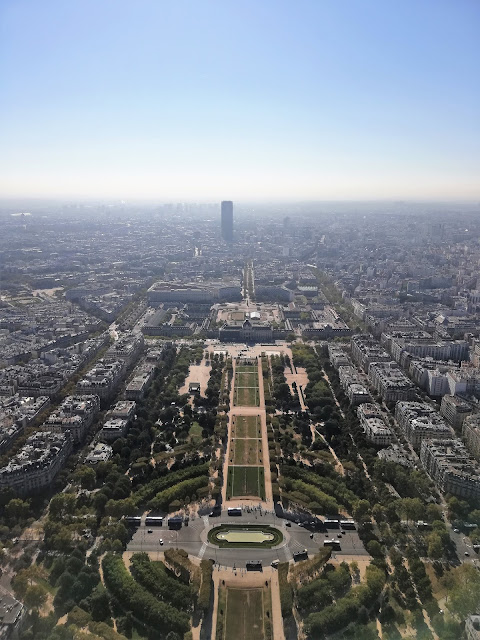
(331, 523)
(335, 544)
(347, 524)
(154, 521)
(133, 521)
(234, 511)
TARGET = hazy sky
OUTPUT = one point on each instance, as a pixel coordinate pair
(240, 99)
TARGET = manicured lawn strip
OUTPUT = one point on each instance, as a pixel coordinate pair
(246, 380)
(247, 451)
(222, 600)
(246, 368)
(247, 396)
(246, 481)
(286, 592)
(267, 619)
(244, 615)
(238, 450)
(266, 544)
(246, 427)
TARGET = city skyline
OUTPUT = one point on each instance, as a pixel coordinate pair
(259, 102)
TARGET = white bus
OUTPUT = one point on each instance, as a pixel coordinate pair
(335, 544)
(234, 511)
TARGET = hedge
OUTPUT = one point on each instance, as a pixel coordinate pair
(178, 492)
(286, 592)
(154, 577)
(149, 490)
(205, 594)
(139, 601)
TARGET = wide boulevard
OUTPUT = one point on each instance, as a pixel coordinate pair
(193, 538)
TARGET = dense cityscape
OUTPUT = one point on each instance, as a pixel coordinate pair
(239, 421)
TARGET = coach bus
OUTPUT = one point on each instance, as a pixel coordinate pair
(347, 524)
(133, 521)
(234, 511)
(332, 523)
(335, 544)
(153, 521)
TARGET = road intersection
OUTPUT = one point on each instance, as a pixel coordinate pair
(193, 539)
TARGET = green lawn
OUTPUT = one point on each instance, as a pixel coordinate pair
(246, 379)
(246, 481)
(246, 397)
(195, 433)
(246, 368)
(246, 451)
(244, 615)
(246, 427)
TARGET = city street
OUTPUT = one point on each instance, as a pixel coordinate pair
(193, 538)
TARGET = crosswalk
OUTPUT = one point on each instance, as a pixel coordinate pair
(288, 553)
(205, 520)
(201, 553)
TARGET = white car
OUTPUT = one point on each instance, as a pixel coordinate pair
(160, 542)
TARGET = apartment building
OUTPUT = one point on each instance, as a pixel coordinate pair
(420, 421)
(37, 463)
(454, 410)
(471, 434)
(118, 421)
(76, 415)
(366, 350)
(376, 431)
(338, 357)
(103, 379)
(389, 381)
(451, 468)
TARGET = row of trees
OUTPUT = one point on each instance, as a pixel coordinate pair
(151, 489)
(161, 583)
(354, 606)
(143, 605)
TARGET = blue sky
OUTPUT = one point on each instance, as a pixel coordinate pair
(240, 99)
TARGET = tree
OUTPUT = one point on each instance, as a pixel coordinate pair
(411, 508)
(457, 509)
(433, 513)
(99, 604)
(78, 617)
(17, 509)
(464, 596)
(474, 517)
(27, 578)
(435, 546)
(374, 548)
(361, 511)
(35, 596)
(61, 505)
(87, 477)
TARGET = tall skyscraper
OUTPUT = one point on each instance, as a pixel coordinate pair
(227, 220)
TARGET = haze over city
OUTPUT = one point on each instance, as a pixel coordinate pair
(271, 100)
(239, 320)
